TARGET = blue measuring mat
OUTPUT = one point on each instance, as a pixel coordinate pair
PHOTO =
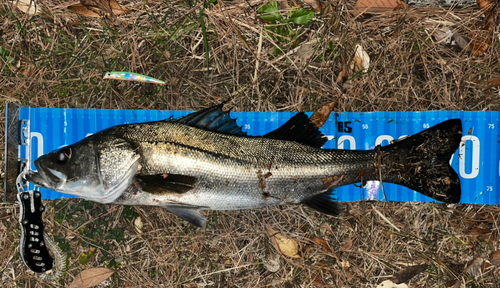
(477, 161)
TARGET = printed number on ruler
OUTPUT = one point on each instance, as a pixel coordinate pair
(344, 127)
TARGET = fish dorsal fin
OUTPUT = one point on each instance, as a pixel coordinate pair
(299, 129)
(213, 119)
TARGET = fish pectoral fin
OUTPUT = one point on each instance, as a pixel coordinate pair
(167, 183)
(192, 216)
(324, 203)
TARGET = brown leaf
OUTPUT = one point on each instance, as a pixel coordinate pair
(315, 4)
(283, 5)
(347, 245)
(323, 243)
(306, 50)
(461, 41)
(328, 228)
(495, 258)
(91, 277)
(408, 273)
(82, 10)
(344, 73)
(482, 3)
(320, 116)
(27, 6)
(379, 5)
(476, 230)
(97, 8)
(473, 267)
(479, 42)
(495, 81)
(285, 245)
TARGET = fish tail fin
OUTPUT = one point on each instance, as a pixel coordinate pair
(324, 203)
(422, 162)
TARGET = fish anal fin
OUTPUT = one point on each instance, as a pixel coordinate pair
(212, 119)
(299, 129)
(192, 216)
(167, 183)
(324, 203)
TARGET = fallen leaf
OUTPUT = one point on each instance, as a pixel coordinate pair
(272, 265)
(461, 41)
(495, 258)
(343, 264)
(323, 243)
(479, 42)
(359, 63)
(27, 6)
(94, 8)
(495, 82)
(82, 10)
(195, 247)
(306, 50)
(379, 5)
(408, 273)
(486, 5)
(91, 277)
(442, 34)
(473, 267)
(476, 230)
(347, 245)
(361, 60)
(344, 73)
(315, 4)
(138, 224)
(285, 245)
(283, 5)
(320, 116)
(328, 228)
(390, 284)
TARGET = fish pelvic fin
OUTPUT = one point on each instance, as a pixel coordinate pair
(192, 216)
(422, 162)
(325, 203)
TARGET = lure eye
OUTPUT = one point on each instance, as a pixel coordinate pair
(63, 155)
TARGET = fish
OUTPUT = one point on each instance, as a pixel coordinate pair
(204, 161)
(131, 76)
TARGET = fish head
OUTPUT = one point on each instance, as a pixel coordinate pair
(98, 168)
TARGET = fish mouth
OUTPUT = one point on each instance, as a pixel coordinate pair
(46, 177)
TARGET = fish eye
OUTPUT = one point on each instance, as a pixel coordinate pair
(63, 155)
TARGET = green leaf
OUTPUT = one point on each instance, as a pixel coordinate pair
(85, 258)
(3, 52)
(205, 41)
(302, 16)
(269, 12)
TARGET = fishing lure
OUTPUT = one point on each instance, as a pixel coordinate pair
(131, 76)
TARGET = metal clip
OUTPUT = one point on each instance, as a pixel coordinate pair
(24, 132)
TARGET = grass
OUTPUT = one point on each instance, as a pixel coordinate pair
(57, 59)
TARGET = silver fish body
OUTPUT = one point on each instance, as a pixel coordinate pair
(194, 164)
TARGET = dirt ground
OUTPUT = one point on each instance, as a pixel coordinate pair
(208, 52)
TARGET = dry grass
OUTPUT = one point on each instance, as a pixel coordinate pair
(56, 59)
